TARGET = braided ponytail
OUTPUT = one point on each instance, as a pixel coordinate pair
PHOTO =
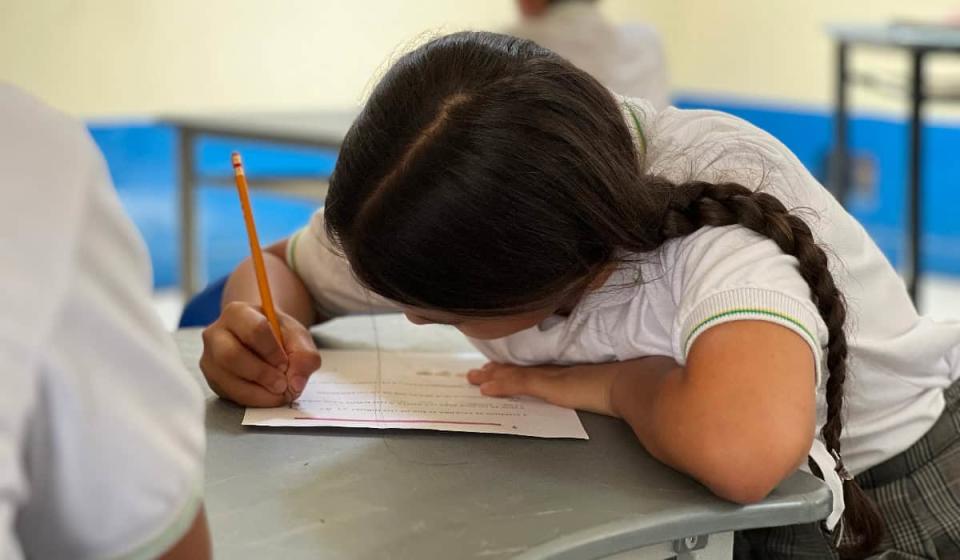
(696, 204)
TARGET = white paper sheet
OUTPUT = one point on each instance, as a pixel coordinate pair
(426, 391)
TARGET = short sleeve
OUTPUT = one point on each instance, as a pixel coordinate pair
(17, 404)
(327, 274)
(113, 452)
(32, 136)
(730, 273)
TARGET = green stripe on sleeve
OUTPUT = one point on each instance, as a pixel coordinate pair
(745, 311)
(292, 250)
(636, 123)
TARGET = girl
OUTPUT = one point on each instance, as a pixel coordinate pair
(642, 264)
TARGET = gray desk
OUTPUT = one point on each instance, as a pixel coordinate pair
(311, 129)
(359, 494)
(919, 42)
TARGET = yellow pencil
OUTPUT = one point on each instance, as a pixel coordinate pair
(263, 285)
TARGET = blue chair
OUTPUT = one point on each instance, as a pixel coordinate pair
(204, 308)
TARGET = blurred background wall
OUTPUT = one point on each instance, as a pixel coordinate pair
(108, 58)
(120, 64)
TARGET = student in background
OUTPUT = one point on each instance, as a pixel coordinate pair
(628, 59)
(101, 426)
(678, 269)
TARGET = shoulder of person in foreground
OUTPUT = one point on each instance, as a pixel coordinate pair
(108, 422)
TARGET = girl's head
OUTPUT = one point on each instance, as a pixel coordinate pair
(488, 183)
(487, 177)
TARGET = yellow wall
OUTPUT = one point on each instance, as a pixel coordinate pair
(778, 50)
(99, 57)
(127, 57)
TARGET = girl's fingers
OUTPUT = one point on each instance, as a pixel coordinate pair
(483, 374)
(557, 385)
(302, 354)
(241, 391)
(502, 380)
(478, 377)
(302, 366)
(515, 381)
(229, 355)
(296, 337)
(253, 329)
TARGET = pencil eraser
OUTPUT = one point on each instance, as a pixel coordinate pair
(235, 158)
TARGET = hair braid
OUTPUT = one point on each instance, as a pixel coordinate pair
(696, 204)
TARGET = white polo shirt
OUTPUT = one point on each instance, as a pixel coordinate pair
(899, 363)
(101, 426)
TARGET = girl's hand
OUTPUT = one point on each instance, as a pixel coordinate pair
(580, 387)
(243, 361)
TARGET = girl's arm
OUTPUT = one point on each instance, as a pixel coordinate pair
(195, 543)
(739, 417)
(289, 293)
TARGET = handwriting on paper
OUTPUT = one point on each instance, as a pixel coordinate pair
(408, 390)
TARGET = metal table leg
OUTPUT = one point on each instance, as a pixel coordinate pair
(187, 186)
(718, 546)
(914, 224)
(840, 179)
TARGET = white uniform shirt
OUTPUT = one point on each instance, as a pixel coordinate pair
(628, 59)
(101, 426)
(899, 362)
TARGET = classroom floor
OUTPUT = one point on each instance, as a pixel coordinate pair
(940, 298)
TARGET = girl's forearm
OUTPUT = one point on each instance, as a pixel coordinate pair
(289, 293)
(641, 390)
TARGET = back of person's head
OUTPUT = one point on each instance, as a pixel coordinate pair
(487, 175)
(535, 8)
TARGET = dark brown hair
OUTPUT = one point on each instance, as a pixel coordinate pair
(486, 175)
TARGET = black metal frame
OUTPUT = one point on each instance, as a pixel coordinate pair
(840, 180)
(188, 136)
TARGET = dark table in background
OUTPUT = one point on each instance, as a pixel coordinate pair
(918, 42)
